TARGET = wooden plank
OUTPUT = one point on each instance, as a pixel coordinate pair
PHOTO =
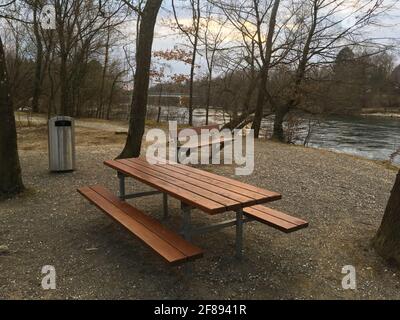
(229, 184)
(280, 215)
(264, 192)
(273, 221)
(188, 249)
(207, 186)
(148, 169)
(190, 198)
(276, 223)
(259, 198)
(164, 249)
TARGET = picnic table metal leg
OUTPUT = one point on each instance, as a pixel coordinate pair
(239, 234)
(186, 221)
(121, 178)
(165, 205)
(186, 212)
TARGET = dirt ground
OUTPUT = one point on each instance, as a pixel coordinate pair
(342, 197)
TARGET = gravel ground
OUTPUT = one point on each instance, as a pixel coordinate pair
(342, 197)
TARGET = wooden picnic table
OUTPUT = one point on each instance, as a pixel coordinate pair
(195, 189)
(200, 189)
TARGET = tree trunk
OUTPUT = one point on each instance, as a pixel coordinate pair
(100, 110)
(387, 239)
(208, 96)
(196, 18)
(10, 170)
(37, 84)
(51, 109)
(265, 71)
(260, 104)
(247, 96)
(191, 81)
(236, 123)
(141, 82)
(159, 103)
(65, 103)
(280, 113)
(111, 96)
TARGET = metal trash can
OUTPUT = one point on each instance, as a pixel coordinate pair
(61, 144)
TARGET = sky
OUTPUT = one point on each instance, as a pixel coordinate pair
(166, 38)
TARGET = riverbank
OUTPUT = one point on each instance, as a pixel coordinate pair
(387, 164)
(343, 197)
(380, 114)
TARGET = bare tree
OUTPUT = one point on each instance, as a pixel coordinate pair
(192, 34)
(141, 80)
(256, 22)
(324, 30)
(79, 25)
(100, 109)
(36, 5)
(387, 240)
(212, 40)
(10, 170)
(266, 56)
(116, 80)
(293, 37)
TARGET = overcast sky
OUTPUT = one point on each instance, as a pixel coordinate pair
(388, 31)
(165, 38)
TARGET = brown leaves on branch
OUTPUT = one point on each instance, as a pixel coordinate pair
(179, 78)
(156, 74)
(176, 54)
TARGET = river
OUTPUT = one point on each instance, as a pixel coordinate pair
(371, 137)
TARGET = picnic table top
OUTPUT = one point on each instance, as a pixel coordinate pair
(204, 190)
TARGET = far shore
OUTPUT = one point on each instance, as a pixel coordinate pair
(382, 114)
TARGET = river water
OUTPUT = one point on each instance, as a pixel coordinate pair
(371, 137)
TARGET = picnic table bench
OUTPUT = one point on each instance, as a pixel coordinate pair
(212, 141)
(194, 188)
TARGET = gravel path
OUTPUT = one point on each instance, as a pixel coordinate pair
(342, 197)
